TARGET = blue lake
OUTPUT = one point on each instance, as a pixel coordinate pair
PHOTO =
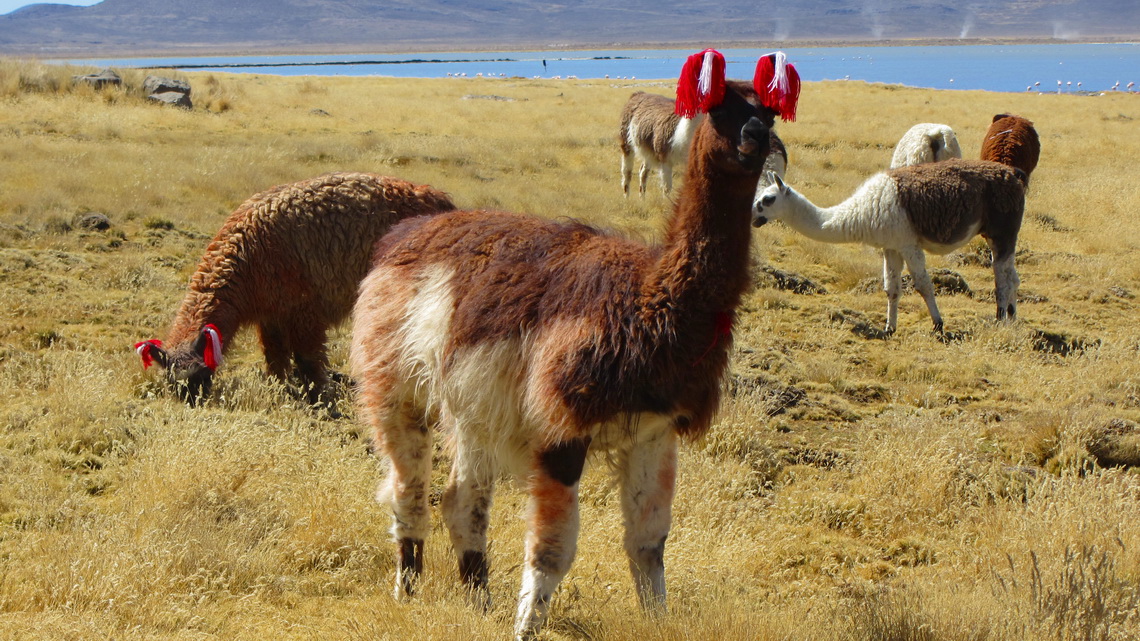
(1097, 67)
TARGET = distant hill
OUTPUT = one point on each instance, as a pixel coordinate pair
(176, 26)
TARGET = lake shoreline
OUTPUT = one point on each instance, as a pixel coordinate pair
(430, 48)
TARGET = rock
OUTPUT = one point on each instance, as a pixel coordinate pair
(1061, 344)
(946, 283)
(319, 112)
(176, 98)
(792, 282)
(92, 221)
(99, 80)
(1117, 444)
(159, 84)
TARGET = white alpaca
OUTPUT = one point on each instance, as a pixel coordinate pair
(926, 142)
(935, 207)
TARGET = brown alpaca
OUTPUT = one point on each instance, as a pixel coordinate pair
(1012, 140)
(289, 261)
(538, 342)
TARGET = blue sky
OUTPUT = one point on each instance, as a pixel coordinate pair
(8, 6)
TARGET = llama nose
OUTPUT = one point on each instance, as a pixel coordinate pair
(758, 220)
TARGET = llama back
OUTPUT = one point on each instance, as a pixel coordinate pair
(304, 242)
(950, 201)
(578, 300)
(926, 142)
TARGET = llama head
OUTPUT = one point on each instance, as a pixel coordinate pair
(735, 134)
(734, 137)
(190, 366)
(771, 201)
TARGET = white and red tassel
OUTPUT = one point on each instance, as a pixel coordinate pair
(701, 85)
(143, 348)
(778, 84)
(213, 352)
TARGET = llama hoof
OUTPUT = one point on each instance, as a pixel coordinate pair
(938, 329)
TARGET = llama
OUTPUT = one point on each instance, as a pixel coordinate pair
(1012, 140)
(652, 132)
(935, 207)
(538, 342)
(926, 142)
(288, 260)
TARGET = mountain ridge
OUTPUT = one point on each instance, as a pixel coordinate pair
(360, 25)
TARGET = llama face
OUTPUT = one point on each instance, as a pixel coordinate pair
(740, 121)
(189, 377)
(768, 200)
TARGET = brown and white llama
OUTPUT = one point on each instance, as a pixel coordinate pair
(905, 212)
(289, 261)
(1012, 140)
(538, 342)
(653, 133)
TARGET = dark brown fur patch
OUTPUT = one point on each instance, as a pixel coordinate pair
(944, 200)
(656, 122)
(473, 569)
(564, 461)
(1012, 140)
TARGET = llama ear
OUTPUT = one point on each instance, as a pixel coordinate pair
(208, 345)
(777, 83)
(701, 85)
(778, 182)
(151, 352)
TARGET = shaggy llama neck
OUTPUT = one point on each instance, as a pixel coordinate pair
(704, 266)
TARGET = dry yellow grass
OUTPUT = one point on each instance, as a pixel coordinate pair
(852, 489)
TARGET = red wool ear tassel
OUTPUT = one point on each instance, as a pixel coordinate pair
(778, 84)
(213, 352)
(142, 348)
(701, 85)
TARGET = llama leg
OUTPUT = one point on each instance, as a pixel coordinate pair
(892, 284)
(311, 357)
(552, 534)
(466, 508)
(626, 172)
(643, 178)
(666, 172)
(275, 346)
(647, 482)
(406, 439)
(1006, 280)
(916, 263)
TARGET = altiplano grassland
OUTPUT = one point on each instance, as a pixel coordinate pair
(980, 487)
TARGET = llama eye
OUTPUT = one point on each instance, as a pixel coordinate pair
(768, 200)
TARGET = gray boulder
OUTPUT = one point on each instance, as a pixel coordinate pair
(92, 221)
(176, 98)
(99, 80)
(159, 84)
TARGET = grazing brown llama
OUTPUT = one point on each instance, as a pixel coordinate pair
(538, 342)
(1012, 140)
(289, 261)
